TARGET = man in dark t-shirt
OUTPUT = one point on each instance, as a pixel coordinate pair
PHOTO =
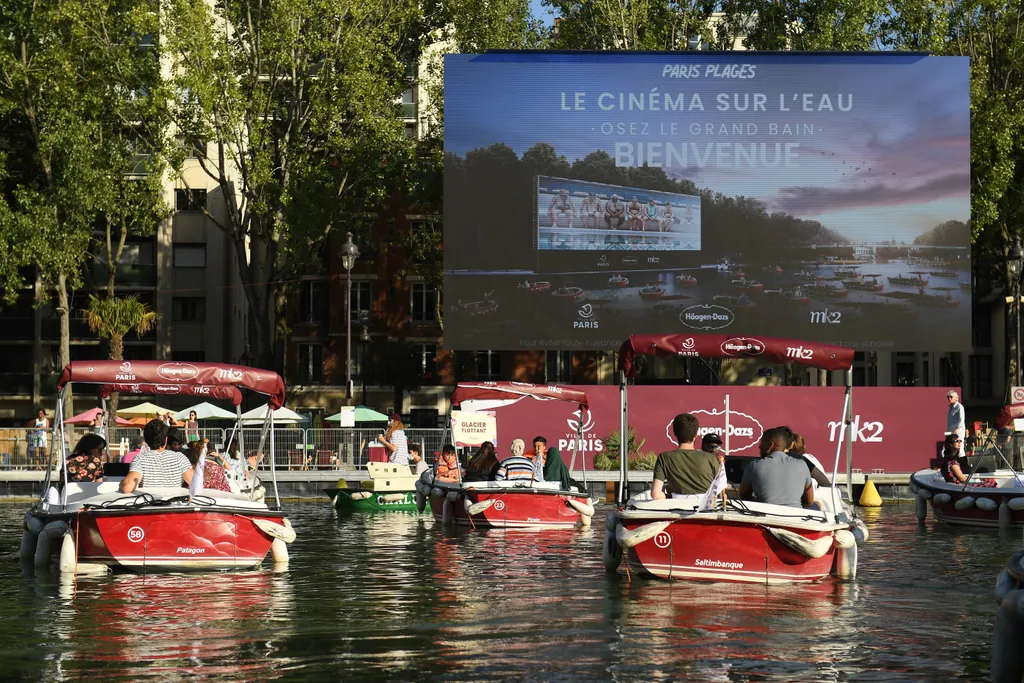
(684, 471)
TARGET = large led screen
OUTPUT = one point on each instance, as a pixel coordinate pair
(593, 196)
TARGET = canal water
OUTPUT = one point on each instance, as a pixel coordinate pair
(395, 597)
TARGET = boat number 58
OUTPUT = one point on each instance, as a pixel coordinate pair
(663, 540)
(136, 534)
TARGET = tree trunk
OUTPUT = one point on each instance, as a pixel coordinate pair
(65, 337)
(1012, 332)
(822, 378)
(116, 353)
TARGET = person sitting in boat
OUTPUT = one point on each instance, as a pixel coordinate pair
(798, 450)
(539, 457)
(447, 466)
(951, 470)
(416, 462)
(136, 448)
(395, 441)
(685, 470)
(555, 469)
(778, 478)
(213, 473)
(156, 465)
(85, 462)
(483, 465)
(517, 467)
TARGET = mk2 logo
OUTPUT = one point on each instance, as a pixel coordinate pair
(585, 318)
(799, 353)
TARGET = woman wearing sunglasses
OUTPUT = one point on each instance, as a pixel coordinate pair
(951, 470)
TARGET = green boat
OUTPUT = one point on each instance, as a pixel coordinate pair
(390, 487)
(361, 500)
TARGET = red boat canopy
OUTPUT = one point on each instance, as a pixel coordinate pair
(1008, 414)
(220, 393)
(155, 372)
(498, 391)
(774, 350)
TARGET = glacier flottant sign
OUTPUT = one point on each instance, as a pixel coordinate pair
(812, 196)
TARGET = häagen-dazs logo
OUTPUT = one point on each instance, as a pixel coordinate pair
(706, 317)
(177, 372)
(742, 347)
(585, 318)
(744, 430)
(124, 373)
(587, 444)
(167, 388)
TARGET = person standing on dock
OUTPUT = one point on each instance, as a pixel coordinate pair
(956, 422)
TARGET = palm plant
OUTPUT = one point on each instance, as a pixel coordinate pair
(112, 319)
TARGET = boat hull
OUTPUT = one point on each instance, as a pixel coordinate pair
(185, 539)
(970, 515)
(715, 550)
(512, 509)
(376, 502)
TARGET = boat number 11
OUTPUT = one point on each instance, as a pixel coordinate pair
(663, 540)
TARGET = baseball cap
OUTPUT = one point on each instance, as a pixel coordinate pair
(710, 439)
(395, 416)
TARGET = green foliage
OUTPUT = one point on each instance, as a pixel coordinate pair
(115, 317)
(634, 443)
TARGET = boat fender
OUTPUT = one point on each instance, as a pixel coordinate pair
(612, 555)
(942, 498)
(279, 553)
(50, 534)
(393, 497)
(611, 522)
(453, 496)
(68, 556)
(1007, 654)
(920, 509)
(447, 513)
(844, 539)
(844, 566)
(477, 508)
(361, 495)
(860, 531)
(986, 504)
(1005, 515)
(579, 506)
(964, 503)
(427, 478)
(630, 539)
(924, 493)
(1016, 503)
(275, 530)
(437, 493)
(914, 486)
(421, 500)
(805, 546)
(1004, 584)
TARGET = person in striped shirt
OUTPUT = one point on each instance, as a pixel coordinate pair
(156, 466)
(517, 467)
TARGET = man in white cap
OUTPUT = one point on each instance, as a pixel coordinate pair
(956, 423)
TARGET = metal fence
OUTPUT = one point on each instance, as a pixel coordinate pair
(294, 449)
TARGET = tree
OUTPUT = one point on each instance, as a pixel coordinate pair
(632, 24)
(402, 370)
(298, 101)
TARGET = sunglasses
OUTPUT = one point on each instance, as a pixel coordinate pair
(958, 440)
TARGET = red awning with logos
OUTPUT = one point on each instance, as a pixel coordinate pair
(773, 350)
(498, 391)
(219, 393)
(162, 374)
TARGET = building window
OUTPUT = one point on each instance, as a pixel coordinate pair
(981, 377)
(424, 303)
(312, 301)
(362, 301)
(425, 358)
(309, 368)
(558, 367)
(488, 364)
(981, 327)
(903, 370)
(190, 200)
(189, 255)
(362, 361)
(189, 356)
(188, 309)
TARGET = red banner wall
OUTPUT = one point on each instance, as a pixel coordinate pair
(895, 429)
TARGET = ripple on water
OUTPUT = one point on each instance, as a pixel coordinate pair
(394, 597)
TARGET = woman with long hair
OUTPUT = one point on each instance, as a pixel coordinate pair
(192, 427)
(483, 465)
(950, 468)
(86, 462)
(213, 473)
(395, 441)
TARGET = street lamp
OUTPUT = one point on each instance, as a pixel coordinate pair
(1014, 261)
(349, 254)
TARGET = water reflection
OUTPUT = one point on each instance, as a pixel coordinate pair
(393, 596)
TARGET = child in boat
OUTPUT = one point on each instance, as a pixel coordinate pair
(447, 466)
(950, 468)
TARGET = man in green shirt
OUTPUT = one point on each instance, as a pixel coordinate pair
(685, 470)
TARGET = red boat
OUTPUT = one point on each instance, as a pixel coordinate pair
(651, 292)
(570, 293)
(700, 537)
(159, 529)
(686, 280)
(618, 281)
(535, 286)
(510, 503)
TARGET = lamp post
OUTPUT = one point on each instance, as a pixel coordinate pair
(349, 254)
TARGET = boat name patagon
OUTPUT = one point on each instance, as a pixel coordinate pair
(718, 564)
(190, 551)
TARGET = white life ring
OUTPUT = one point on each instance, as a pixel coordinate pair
(964, 503)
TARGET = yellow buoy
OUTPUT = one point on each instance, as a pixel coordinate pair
(342, 484)
(869, 497)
